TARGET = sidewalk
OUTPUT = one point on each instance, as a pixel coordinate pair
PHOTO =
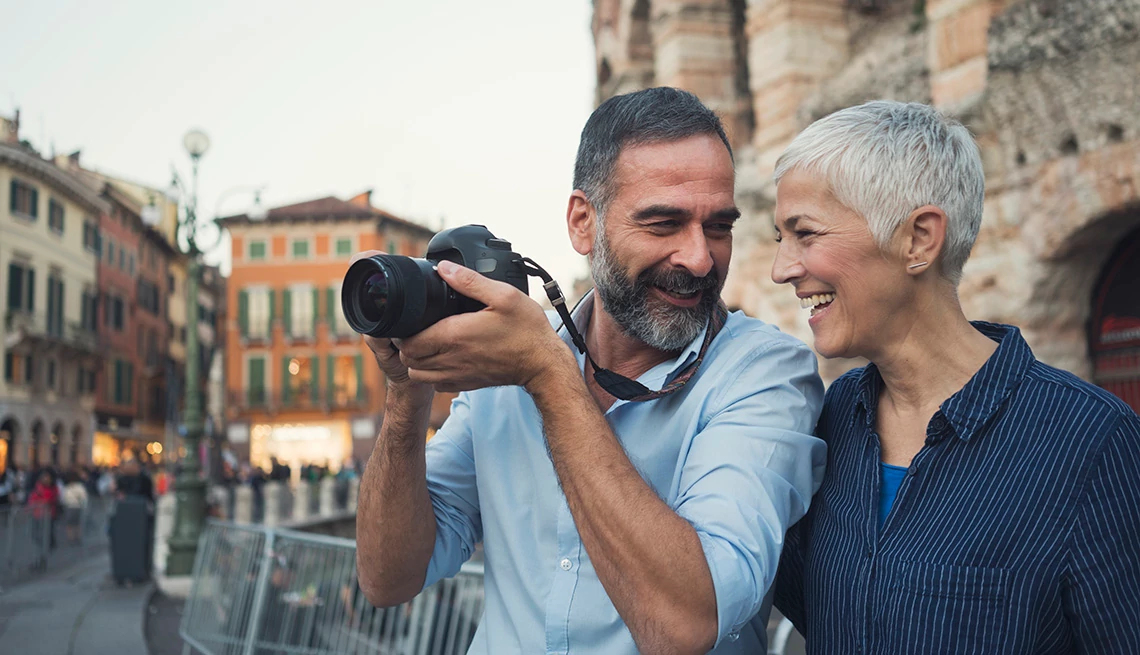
(77, 610)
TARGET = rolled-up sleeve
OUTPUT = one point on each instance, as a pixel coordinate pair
(454, 493)
(750, 474)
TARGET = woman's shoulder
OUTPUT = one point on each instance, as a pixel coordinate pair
(1066, 389)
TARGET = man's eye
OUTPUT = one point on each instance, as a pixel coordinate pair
(723, 228)
(803, 234)
(664, 225)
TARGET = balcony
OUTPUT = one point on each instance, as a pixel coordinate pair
(33, 329)
(300, 399)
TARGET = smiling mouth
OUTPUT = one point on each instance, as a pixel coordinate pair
(678, 294)
(817, 303)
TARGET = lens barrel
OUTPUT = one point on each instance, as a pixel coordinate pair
(392, 296)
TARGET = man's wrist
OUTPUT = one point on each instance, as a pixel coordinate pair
(558, 370)
(413, 393)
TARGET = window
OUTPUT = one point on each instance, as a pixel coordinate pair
(55, 305)
(148, 298)
(23, 199)
(9, 367)
(131, 264)
(255, 382)
(299, 379)
(91, 237)
(255, 312)
(257, 250)
(346, 375)
(110, 252)
(391, 247)
(343, 246)
(114, 313)
(88, 307)
(122, 258)
(21, 288)
(55, 216)
(338, 324)
(300, 249)
(299, 310)
(51, 374)
(29, 369)
(124, 382)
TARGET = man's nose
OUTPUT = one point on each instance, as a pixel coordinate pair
(786, 267)
(693, 252)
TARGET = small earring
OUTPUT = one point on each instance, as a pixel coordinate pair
(918, 265)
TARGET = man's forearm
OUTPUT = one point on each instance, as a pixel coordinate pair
(648, 558)
(395, 526)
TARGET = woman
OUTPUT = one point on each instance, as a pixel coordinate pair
(74, 501)
(44, 503)
(976, 500)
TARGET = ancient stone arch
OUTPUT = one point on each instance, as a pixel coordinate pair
(1114, 328)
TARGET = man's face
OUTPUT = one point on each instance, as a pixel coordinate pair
(661, 255)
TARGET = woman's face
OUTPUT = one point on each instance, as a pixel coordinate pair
(855, 292)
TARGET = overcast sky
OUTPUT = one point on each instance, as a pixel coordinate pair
(452, 110)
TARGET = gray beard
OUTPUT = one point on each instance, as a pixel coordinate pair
(657, 324)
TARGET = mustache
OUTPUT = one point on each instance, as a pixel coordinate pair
(678, 279)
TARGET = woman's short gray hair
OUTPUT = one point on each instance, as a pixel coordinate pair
(884, 159)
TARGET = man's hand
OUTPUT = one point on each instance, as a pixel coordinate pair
(510, 342)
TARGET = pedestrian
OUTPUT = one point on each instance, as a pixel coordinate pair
(7, 484)
(630, 467)
(44, 502)
(74, 506)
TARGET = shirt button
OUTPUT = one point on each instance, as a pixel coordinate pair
(733, 636)
(565, 564)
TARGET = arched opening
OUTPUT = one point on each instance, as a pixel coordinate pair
(76, 439)
(1114, 328)
(604, 72)
(55, 438)
(9, 432)
(34, 444)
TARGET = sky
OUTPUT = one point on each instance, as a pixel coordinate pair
(452, 111)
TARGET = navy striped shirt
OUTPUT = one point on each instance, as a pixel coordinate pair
(1016, 529)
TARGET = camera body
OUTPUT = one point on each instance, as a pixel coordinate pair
(393, 296)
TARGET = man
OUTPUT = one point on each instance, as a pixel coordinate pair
(608, 526)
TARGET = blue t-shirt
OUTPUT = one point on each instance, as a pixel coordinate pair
(889, 488)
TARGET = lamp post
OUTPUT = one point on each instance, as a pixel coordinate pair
(190, 487)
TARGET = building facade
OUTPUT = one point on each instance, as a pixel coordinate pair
(302, 386)
(48, 249)
(1049, 89)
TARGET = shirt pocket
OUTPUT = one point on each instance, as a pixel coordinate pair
(946, 608)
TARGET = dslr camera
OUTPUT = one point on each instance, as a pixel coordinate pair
(392, 296)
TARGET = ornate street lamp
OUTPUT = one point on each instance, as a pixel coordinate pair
(190, 487)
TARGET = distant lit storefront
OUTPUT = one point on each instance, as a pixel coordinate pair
(118, 440)
(326, 443)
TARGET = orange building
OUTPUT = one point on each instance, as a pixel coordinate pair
(301, 385)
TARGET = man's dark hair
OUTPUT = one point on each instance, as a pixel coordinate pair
(658, 114)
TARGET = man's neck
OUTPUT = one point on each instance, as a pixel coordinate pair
(615, 350)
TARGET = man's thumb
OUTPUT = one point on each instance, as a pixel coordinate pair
(466, 281)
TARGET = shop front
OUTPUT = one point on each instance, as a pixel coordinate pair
(323, 443)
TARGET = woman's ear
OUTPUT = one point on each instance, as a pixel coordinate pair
(581, 222)
(925, 237)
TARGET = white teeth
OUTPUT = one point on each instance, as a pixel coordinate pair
(816, 300)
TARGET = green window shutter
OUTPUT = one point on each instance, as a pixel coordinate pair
(15, 287)
(287, 310)
(314, 307)
(257, 384)
(243, 312)
(35, 202)
(130, 383)
(285, 391)
(331, 309)
(315, 379)
(31, 304)
(359, 363)
(13, 186)
(330, 377)
(272, 312)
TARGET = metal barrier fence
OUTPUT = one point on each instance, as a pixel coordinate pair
(30, 540)
(262, 590)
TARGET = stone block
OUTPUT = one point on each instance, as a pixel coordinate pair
(327, 489)
(243, 504)
(959, 37)
(274, 497)
(959, 85)
(353, 493)
(301, 500)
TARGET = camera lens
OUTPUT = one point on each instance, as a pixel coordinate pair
(374, 296)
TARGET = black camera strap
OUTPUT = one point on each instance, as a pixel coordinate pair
(615, 384)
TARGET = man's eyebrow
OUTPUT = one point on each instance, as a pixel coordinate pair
(726, 214)
(659, 211)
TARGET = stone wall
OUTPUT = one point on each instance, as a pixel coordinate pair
(1050, 88)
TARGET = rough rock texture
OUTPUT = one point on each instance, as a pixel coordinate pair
(1057, 120)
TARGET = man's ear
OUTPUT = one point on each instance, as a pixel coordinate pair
(925, 237)
(581, 222)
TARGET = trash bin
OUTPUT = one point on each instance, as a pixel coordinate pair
(132, 538)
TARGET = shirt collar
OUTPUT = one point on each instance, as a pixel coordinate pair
(656, 377)
(971, 406)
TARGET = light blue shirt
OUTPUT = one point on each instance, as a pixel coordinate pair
(731, 453)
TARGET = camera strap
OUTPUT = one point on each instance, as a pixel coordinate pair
(615, 384)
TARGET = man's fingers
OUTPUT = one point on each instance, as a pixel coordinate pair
(471, 284)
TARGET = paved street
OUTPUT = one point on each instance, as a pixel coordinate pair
(76, 610)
